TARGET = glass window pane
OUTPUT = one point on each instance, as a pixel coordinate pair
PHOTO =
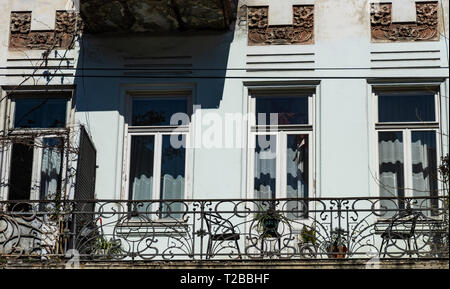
(173, 174)
(265, 167)
(391, 168)
(297, 164)
(290, 110)
(52, 157)
(40, 112)
(406, 107)
(21, 173)
(424, 165)
(141, 169)
(157, 111)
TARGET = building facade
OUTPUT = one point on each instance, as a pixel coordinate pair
(296, 100)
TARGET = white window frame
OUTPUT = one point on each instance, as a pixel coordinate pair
(282, 131)
(405, 128)
(37, 150)
(158, 132)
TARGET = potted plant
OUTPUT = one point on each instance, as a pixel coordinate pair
(336, 248)
(103, 247)
(268, 221)
(307, 241)
(308, 236)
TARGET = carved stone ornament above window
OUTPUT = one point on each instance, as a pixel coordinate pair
(424, 29)
(261, 33)
(21, 37)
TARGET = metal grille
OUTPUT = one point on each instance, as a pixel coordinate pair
(85, 181)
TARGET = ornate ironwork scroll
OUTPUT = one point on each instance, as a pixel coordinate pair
(22, 37)
(425, 28)
(261, 33)
(238, 229)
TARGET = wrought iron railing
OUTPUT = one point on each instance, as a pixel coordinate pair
(238, 229)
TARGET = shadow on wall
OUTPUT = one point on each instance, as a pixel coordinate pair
(108, 61)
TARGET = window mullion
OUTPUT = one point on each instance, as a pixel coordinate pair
(281, 165)
(157, 167)
(36, 168)
(156, 175)
(408, 163)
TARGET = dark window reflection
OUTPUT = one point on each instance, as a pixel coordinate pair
(141, 167)
(291, 110)
(406, 107)
(40, 112)
(156, 111)
(172, 174)
(20, 175)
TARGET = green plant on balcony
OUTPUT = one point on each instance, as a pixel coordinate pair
(308, 236)
(105, 248)
(268, 221)
(307, 242)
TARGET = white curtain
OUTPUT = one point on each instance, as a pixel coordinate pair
(390, 149)
(297, 183)
(51, 169)
(141, 169)
(142, 187)
(265, 172)
(424, 165)
(173, 189)
(172, 177)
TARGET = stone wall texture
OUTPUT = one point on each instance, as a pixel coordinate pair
(155, 16)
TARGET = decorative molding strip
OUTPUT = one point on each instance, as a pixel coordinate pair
(425, 28)
(256, 62)
(301, 32)
(21, 36)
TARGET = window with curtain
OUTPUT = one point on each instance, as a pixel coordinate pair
(51, 168)
(281, 158)
(157, 154)
(407, 131)
(35, 169)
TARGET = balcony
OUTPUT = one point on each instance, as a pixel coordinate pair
(134, 16)
(239, 230)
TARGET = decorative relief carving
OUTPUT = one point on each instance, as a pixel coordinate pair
(425, 28)
(301, 32)
(21, 36)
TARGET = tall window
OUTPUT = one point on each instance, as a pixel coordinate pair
(282, 137)
(158, 134)
(407, 130)
(33, 168)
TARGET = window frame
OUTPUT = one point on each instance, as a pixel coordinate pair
(406, 129)
(282, 131)
(36, 95)
(17, 133)
(158, 131)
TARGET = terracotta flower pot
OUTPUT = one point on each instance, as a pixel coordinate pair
(337, 251)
